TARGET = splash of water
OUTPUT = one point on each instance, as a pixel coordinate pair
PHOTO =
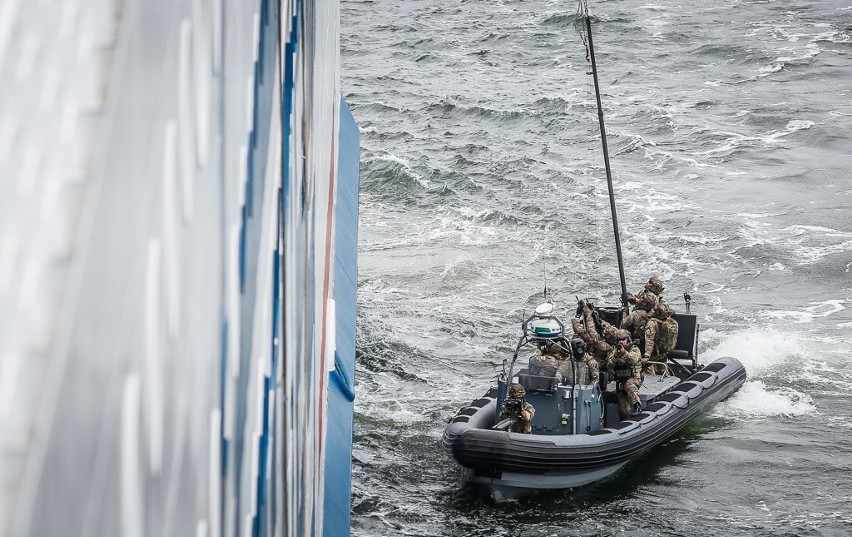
(756, 400)
(760, 350)
(763, 352)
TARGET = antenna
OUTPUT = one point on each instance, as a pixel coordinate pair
(591, 54)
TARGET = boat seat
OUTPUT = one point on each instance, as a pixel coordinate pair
(538, 383)
(611, 314)
(678, 355)
(686, 336)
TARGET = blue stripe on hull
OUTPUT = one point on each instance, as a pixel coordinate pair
(338, 464)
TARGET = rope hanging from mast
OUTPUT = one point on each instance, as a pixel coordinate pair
(590, 57)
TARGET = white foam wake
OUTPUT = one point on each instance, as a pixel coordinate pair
(759, 349)
(763, 352)
(755, 400)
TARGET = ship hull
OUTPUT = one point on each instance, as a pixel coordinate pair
(185, 362)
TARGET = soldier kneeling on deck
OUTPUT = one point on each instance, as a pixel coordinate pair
(625, 365)
(516, 407)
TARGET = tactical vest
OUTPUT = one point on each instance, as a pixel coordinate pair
(623, 370)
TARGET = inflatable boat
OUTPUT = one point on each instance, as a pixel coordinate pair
(577, 435)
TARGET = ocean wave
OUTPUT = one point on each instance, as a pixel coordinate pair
(807, 314)
(814, 243)
(456, 108)
(717, 50)
(799, 56)
(827, 380)
(562, 19)
(387, 171)
(378, 107)
(798, 244)
(767, 70)
(832, 36)
(791, 127)
(723, 144)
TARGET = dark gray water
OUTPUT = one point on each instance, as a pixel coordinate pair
(483, 177)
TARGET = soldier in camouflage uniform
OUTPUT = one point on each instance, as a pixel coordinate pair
(552, 360)
(660, 335)
(549, 361)
(579, 322)
(544, 361)
(524, 422)
(625, 361)
(644, 302)
(585, 362)
(597, 348)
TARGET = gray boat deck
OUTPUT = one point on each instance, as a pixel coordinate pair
(655, 386)
(652, 387)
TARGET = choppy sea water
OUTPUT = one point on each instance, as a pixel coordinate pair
(483, 180)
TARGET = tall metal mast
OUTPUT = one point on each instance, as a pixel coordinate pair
(606, 154)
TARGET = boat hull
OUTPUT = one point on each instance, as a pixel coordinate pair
(513, 464)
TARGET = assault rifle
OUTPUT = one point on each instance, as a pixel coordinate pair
(512, 409)
(579, 313)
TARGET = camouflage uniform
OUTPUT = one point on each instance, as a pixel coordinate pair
(524, 421)
(580, 329)
(644, 302)
(584, 363)
(549, 361)
(588, 332)
(660, 334)
(598, 348)
(544, 362)
(554, 362)
(636, 321)
(630, 358)
(592, 367)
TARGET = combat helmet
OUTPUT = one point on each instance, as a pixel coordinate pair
(622, 334)
(656, 285)
(517, 391)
